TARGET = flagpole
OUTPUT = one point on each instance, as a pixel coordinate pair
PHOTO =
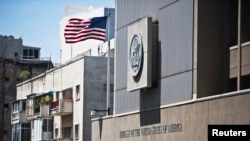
(71, 51)
(108, 68)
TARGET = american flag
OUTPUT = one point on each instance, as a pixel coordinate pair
(82, 29)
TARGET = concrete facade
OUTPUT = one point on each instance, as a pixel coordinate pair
(75, 88)
(190, 120)
(196, 74)
(11, 65)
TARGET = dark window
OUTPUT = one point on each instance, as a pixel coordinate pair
(57, 96)
(7, 79)
(50, 125)
(6, 107)
(66, 132)
(31, 53)
(27, 125)
(36, 54)
(77, 131)
(5, 132)
(78, 92)
(25, 52)
(24, 106)
(47, 125)
(16, 54)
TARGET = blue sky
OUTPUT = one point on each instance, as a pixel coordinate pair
(37, 22)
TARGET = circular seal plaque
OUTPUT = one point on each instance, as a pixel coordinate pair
(135, 55)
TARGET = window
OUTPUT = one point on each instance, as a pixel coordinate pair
(25, 52)
(66, 132)
(15, 107)
(23, 105)
(57, 96)
(47, 125)
(5, 132)
(77, 92)
(36, 54)
(31, 53)
(76, 131)
(16, 132)
(37, 105)
(16, 54)
(25, 132)
(6, 107)
(15, 110)
(7, 79)
(26, 126)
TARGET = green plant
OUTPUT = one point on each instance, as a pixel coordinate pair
(24, 74)
(45, 99)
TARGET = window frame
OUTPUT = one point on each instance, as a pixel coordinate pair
(77, 92)
(76, 135)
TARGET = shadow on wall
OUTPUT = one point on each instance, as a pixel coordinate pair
(150, 99)
(100, 127)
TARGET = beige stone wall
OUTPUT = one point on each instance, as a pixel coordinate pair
(245, 60)
(191, 121)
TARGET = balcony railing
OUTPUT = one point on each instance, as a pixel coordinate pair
(15, 115)
(18, 117)
(41, 110)
(62, 107)
(29, 111)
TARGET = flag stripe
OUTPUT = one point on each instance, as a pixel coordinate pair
(83, 35)
(83, 29)
(73, 33)
(83, 39)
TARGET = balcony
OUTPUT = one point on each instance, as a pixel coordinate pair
(62, 107)
(29, 112)
(18, 117)
(33, 112)
(18, 112)
(38, 106)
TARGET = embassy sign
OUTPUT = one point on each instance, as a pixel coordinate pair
(139, 69)
(135, 55)
(147, 131)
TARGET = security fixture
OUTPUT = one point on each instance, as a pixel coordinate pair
(94, 112)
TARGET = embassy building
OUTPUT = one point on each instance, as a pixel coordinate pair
(180, 66)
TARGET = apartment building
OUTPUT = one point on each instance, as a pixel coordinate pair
(180, 66)
(56, 105)
(18, 62)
